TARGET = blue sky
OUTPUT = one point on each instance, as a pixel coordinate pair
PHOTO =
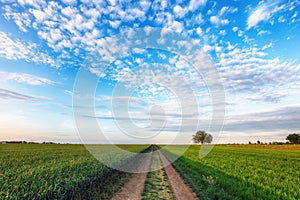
(252, 44)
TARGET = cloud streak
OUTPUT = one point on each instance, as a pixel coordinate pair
(25, 78)
(10, 95)
(280, 119)
(263, 12)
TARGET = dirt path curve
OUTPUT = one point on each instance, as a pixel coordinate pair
(180, 189)
(133, 189)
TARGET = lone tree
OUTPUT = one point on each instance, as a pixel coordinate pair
(202, 137)
(293, 138)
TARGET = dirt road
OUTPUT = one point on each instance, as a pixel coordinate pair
(180, 189)
(133, 189)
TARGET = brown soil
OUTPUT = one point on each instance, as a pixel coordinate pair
(132, 190)
(180, 189)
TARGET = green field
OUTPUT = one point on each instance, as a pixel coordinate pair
(42, 171)
(241, 173)
(52, 171)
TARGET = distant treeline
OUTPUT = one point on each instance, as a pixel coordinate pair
(274, 142)
(25, 142)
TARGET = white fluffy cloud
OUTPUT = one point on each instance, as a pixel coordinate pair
(179, 11)
(218, 20)
(69, 2)
(39, 15)
(15, 50)
(214, 20)
(248, 70)
(194, 4)
(263, 12)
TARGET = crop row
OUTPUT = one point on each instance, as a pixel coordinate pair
(51, 171)
(240, 173)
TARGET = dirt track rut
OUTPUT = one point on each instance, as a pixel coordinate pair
(180, 189)
(132, 190)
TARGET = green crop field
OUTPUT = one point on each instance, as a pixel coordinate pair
(51, 171)
(240, 173)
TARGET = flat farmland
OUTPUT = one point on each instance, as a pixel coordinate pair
(52, 171)
(232, 172)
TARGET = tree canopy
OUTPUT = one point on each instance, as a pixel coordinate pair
(202, 137)
(293, 138)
